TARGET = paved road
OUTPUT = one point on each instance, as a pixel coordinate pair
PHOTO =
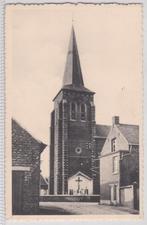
(80, 208)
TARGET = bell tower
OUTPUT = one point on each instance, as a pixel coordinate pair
(72, 126)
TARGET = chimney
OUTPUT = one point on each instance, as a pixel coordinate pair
(115, 120)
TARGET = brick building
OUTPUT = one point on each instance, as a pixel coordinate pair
(76, 140)
(119, 166)
(26, 152)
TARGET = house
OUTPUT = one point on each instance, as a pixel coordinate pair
(119, 166)
(26, 152)
(43, 185)
(100, 135)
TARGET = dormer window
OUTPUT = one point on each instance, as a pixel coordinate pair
(83, 111)
(113, 145)
(73, 111)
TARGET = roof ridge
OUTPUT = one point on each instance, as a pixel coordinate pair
(130, 132)
(28, 132)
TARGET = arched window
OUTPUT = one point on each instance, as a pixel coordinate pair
(60, 110)
(83, 111)
(73, 111)
(64, 108)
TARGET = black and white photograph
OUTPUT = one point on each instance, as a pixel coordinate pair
(74, 110)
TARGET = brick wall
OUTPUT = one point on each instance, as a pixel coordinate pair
(26, 154)
(69, 135)
(51, 164)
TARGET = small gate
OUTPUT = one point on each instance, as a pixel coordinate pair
(129, 196)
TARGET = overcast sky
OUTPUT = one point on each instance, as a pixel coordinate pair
(109, 43)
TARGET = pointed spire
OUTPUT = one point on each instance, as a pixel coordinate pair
(73, 74)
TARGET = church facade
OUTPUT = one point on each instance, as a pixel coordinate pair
(75, 139)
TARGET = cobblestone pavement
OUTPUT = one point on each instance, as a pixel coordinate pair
(80, 208)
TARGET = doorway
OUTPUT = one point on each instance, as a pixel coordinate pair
(17, 192)
(114, 194)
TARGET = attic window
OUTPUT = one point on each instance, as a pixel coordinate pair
(113, 145)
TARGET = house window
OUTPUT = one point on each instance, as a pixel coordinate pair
(113, 145)
(73, 110)
(115, 164)
(83, 111)
(115, 192)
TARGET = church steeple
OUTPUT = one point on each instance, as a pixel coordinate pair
(72, 127)
(73, 74)
(73, 78)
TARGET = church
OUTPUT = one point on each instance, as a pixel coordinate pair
(75, 138)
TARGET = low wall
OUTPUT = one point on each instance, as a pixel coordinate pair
(69, 198)
(127, 196)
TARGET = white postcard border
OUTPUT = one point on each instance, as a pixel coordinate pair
(2, 112)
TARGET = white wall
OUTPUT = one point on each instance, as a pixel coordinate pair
(85, 183)
(127, 197)
(121, 142)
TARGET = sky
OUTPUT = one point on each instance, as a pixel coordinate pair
(109, 39)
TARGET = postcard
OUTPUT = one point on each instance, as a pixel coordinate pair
(74, 119)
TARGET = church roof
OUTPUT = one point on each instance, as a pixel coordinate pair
(79, 173)
(73, 78)
(71, 87)
(130, 132)
(102, 130)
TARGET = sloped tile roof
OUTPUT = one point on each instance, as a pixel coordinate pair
(130, 132)
(75, 88)
(79, 173)
(22, 136)
(102, 130)
(43, 181)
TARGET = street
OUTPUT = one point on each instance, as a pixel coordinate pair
(81, 208)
